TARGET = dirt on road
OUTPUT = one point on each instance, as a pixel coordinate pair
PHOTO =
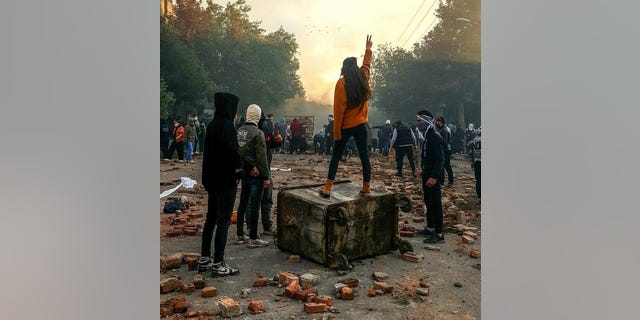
(450, 273)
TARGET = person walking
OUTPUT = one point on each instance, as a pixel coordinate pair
(432, 156)
(445, 133)
(165, 137)
(253, 151)
(190, 138)
(221, 171)
(178, 140)
(201, 137)
(403, 141)
(296, 135)
(385, 135)
(350, 111)
(475, 152)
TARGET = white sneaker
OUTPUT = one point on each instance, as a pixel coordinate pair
(257, 243)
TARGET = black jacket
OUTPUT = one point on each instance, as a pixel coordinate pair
(221, 164)
(432, 155)
(269, 138)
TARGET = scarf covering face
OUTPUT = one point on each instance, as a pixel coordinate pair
(253, 114)
(424, 122)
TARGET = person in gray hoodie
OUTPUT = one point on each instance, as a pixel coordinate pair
(253, 151)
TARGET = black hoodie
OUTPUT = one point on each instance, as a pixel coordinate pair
(221, 164)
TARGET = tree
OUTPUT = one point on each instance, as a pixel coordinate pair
(166, 99)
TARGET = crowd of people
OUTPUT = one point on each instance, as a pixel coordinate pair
(239, 153)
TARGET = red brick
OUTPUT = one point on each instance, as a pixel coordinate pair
(190, 231)
(192, 314)
(166, 311)
(325, 300)
(294, 258)
(371, 293)
(180, 307)
(385, 287)
(209, 292)
(311, 307)
(173, 233)
(171, 262)
(229, 307)
(474, 254)
(418, 220)
(188, 288)
(311, 297)
(286, 278)
(412, 257)
(169, 284)
(467, 239)
(192, 263)
(195, 215)
(471, 234)
(256, 306)
(198, 281)
(351, 283)
(291, 289)
(346, 293)
(407, 234)
(461, 217)
(261, 282)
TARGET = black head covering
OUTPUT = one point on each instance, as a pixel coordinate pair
(226, 105)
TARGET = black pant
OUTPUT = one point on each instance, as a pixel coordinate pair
(447, 165)
(433, 200)
(164, 147)
(180, 148)
(359, 134)
(250, 199)
(329, 145)
(401, 152)
(265, 206)
(476, 172)
(219, 209)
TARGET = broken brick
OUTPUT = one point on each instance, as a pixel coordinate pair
(379, 276)
(291, 289)
(192, 314)
(192, 263)
(173, 233)
(169, 284)
(474, 254)
(351, 282)
(422, 291)
(346, 293)
(418, 220)
(256, 306)
(311, 307)
(294, 258)
(188, 288)
(261, 282)
(195, 215)
(471, 234)
(190, 231)
(171, 262)
(209, 292)
(324, 300)
(229, 307)
(180, 307)
(311, 297)
(407, 234)
(467, 239)
(166, 311)
(198, 281)
(412, 257)
(287, 277)
(371, 293)
(309, 280)
(381, 285)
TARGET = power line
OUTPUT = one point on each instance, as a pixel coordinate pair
(407, 27)
(428, 29)
(424, 17)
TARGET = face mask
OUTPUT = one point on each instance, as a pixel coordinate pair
(422, 126)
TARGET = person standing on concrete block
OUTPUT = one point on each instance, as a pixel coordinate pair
(432, 156)
(253, 151)
(445, 133)
(350, 111)
(221, 172)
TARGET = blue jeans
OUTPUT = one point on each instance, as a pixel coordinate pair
(250, 198)
(189, 151)
(219, 209)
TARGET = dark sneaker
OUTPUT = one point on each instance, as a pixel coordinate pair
(424, 232)
(204, 264)
(270, 232)
(221, 269)
(435, 238)
(414, 174)
(398, 174)
(450, 184)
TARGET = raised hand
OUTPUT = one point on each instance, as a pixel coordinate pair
(369, 43)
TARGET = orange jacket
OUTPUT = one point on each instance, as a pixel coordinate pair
(179, 134)
(343, 118)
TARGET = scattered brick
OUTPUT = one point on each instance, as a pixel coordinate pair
(461, 217)
(166, 311)
(180, 307)
(287, 277)
(261, 282)
(407, 234)
(311, 307)
(385, 287)
(422, 291)
(424, 284)
(291, 289)
(467, 239)
(256, 306)
(346, 293)
(169, 284)
(209, 292)
(171, 262)
(351, 282)
(324, 300)
(418, 220)
(379, 276)
(311, 297)
(339, 286)
(196, 215)
(229, 307)
(371, 293)
(192, 314)
(412, 257)
(474, 254)
(173, 233)
(190, 231)
(294, 258)
(309, 279)
(471, 234)
(188, 288)
(198, 281)
(432, 248)
(192, 263)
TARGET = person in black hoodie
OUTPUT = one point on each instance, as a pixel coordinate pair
(432, 156)
(221, 171)
(165, 136)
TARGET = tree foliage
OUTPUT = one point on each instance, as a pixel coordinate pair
(209, 48)
(441, 73)
(166, 99)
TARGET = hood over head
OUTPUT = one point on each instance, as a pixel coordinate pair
(226, 105)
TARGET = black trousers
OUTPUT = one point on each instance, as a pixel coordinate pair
(401, 152)
(219, 209)
(433, 200)
(476, 172)
(359, 134)
(164, 147)
(179, 146)
(447, 165)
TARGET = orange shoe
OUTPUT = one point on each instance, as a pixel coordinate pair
(366, 189)
(326, 190)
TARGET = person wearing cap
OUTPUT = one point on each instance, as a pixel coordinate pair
(221, 172)
(253, 151)
(385, 135)
(432, 156)
(350, 111)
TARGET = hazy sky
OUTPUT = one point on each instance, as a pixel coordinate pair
(327, 31)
